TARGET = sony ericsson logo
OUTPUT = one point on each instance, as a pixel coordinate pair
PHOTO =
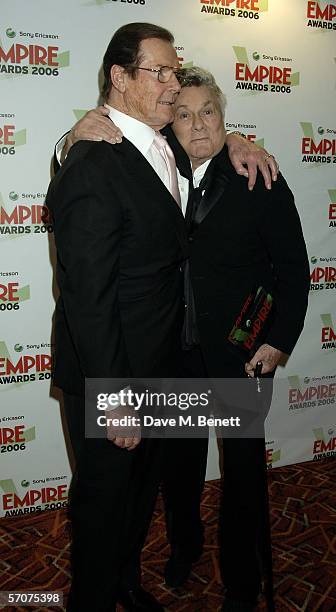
(10, 33)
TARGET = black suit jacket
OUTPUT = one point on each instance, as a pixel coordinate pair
(242, 240)
(121, 241)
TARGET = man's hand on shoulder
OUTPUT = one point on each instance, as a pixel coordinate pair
(96, 126)
(247, 158)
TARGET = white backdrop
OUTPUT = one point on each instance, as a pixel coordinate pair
(275, 60)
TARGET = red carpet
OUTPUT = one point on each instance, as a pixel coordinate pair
(34, 550)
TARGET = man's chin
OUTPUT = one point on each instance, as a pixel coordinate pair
(165, 109)
(201, 152)
(169, 115)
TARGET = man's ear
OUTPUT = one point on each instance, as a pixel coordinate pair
(118, 77)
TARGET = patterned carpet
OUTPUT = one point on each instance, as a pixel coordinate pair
(34, 550)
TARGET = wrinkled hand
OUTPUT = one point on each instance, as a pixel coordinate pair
(123, 436)
(244, 153)
(95, 125)
(269, 356)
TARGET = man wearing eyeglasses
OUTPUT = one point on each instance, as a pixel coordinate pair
(121, 242)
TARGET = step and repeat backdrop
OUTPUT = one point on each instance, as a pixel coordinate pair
(276, 62)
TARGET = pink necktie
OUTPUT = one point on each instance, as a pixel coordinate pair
(165, 151)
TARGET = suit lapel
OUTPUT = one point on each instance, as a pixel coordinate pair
(181, 158)
(219, 173)
(146, 177)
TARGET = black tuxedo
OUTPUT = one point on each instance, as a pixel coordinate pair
(121, 242)
(241, 240)
(238, 240)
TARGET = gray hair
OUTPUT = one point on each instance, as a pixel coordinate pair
(196, 77)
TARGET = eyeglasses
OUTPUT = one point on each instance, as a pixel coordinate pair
(164, 73)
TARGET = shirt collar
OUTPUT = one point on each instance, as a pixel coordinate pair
(200, 172)
(138, 133)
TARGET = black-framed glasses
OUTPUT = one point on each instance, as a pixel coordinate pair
(164, 73)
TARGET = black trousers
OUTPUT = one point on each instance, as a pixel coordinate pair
(242, 516)
(112, 498)
(183, 478)
(243, 504)
(244, 522)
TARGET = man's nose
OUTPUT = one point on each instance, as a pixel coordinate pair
(198, 123)
(174, 84)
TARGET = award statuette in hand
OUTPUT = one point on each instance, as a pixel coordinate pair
(251, 324)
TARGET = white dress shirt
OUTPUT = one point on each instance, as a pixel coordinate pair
(142, 137)
(183, 183)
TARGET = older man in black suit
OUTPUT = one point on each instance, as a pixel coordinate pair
(121, 242)
(239, 240)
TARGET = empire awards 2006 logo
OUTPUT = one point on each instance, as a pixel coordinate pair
(24, 214)
(33, 53)
(323, 273)
(272, 455)
(112, 2)
(34, 496)
(244, 9)
(306, 393)
(321, 17)
(257, 72)
(328, 333)
(318, 144)
(10, 136)
(32, 365)
(15, 434)
(249, 129)
(332, 207)
(325, 443)
(12, 293)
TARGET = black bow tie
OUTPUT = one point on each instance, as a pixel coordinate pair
(194, 200)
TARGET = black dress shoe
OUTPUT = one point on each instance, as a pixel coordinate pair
(139, 600)
(177, 571)
(179, 566)
(236, 605)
